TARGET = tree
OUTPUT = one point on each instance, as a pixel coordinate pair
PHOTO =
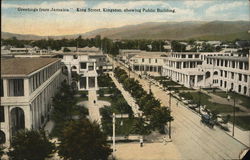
(141, 127)
(30, 145)
(1, 151)
(178, 47)
(84, 140)
(159, 118)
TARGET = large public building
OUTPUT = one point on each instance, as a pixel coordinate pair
(228, 71)
(27, 88)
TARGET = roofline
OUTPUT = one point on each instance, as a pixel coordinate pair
(30, 74)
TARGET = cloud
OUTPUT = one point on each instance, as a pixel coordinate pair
(196, 4)
(213, 10)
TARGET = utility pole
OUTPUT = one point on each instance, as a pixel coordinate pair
(113, 133)
(113, 122)
(170, 113)
(234, 117)
(200, 101)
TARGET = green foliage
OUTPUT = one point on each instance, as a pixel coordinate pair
(64, 108)
(84, 140)
(141, 127)
(66, 50)
(159, 117)
(150, 106)
(178, 47)
(1, 151)
(30, 145)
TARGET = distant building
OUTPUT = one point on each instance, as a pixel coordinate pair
(148, 62)
(102, 63)
(27, 88)
(76, 63)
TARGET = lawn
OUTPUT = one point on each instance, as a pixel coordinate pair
(109, 99)
(242, 121)
(181, 88)
(245, 101)
(169, 83)
(203, 99)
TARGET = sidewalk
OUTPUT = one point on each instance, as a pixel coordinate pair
(94, 108)
(150, 151)
(130, 100)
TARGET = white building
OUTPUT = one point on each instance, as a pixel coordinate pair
(227, 71)
(150, 63)
(184, 68)
(27, 88)
(80, 63)
(102, 63)
(34, 50)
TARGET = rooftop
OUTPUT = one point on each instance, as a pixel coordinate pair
(23, 66)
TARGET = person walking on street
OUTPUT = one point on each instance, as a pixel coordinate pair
(141, 142)
(164, 140)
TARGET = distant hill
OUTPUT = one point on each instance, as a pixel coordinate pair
(214, 30)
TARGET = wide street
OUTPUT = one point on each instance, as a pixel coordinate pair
(192, 139)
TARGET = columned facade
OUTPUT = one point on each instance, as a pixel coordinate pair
(27, 96)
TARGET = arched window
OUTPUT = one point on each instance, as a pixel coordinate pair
(17, 120)
(208, 74)
(215, 73)
(73, 67)
(2, 137)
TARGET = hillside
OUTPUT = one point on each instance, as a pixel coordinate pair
(215, 30)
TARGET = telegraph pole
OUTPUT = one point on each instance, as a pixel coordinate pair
(170, 113)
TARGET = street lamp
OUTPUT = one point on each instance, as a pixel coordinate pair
(200, 100)
(228, 98)
(170, 94)
(113, 122)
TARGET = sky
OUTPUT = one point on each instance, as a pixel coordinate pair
(52, 23)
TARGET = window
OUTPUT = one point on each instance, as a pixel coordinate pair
(225, 74)
(233, 64)
(245, 78)
(142, 59)
(83, 65)
(232, 75)
(16, 87)
(75, 56)
(1, 87)
(240, 77)
(155, 60)
(183, 56)
(226, 62)
(196, 55)
(1, 113)
(190, 56)
(149, 60)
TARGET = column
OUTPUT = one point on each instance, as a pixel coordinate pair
(87, 83)
(26, 87)
(69, 74)
(5, 87)
(196, 80)
(188, 80)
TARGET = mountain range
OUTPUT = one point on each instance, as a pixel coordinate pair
(201, 30)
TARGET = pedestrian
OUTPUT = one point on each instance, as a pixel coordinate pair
(141, 142)
(164, 140)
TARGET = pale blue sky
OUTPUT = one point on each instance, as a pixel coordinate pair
(61, 23)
